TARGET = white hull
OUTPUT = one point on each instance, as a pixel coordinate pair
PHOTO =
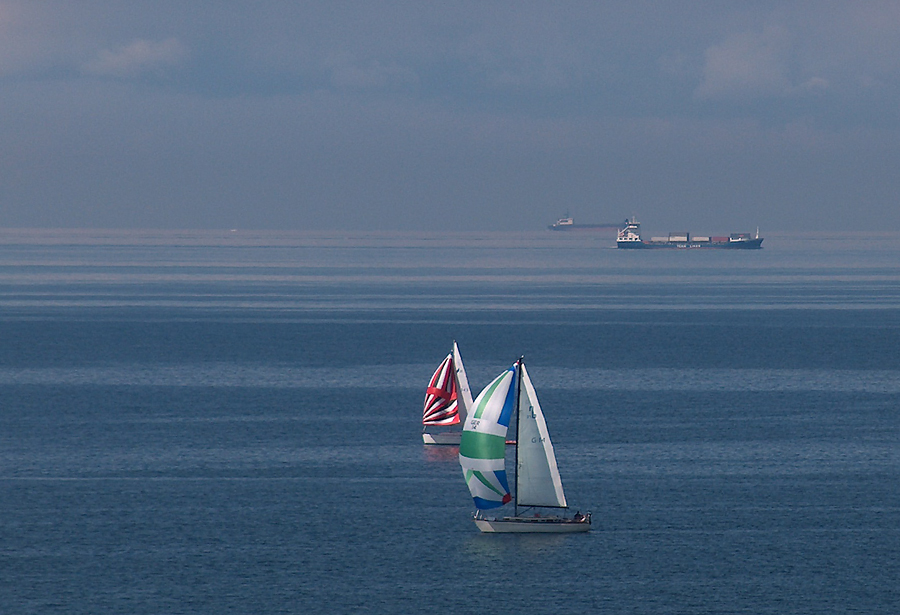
(447, 437)
(532, 525)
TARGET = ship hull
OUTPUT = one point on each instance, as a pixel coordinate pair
(749, 244)
(530, 525)
(447, 438)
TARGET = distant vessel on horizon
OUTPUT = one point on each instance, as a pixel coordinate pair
(629, 237)
(567, 223)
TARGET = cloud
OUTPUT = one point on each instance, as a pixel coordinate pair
(140, 57)
(748, 65)
(815, 84)
(348, 74)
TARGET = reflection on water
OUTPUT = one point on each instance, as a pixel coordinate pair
(444, 454)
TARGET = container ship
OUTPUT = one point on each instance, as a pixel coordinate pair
(630, 238)
(568, 224)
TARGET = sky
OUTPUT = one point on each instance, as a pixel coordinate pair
(714, 117)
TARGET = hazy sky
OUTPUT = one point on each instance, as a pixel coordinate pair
(708, 116)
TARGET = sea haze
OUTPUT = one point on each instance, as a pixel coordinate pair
(229, 422)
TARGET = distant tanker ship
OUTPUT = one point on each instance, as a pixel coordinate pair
(630, 238)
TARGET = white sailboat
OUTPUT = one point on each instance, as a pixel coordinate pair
(482, 455)
(447, 401)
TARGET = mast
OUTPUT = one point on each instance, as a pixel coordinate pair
(518, 423)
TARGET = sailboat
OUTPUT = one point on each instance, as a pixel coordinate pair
(482, 455)
(447, 401)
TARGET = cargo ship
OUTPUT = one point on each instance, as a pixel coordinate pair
(630, 238)
(568, 224)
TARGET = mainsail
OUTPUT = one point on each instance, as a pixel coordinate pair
(440, 396)
(482, 449)
(464, 394)
(537, 477)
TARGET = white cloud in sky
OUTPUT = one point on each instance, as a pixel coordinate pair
(815, 84)
(747, 65)
(347, 73)
(139, 57)
(20, 49)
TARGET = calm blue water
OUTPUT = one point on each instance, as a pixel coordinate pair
(229, 423)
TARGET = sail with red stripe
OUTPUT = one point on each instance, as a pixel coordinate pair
(441, 402)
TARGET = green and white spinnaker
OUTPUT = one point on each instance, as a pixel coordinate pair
(482, 448)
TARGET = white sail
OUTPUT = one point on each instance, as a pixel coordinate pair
(537, 477)
(464, 394)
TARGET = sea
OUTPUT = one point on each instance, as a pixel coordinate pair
(223, 422)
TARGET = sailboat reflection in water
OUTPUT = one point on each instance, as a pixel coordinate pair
(482, 455)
